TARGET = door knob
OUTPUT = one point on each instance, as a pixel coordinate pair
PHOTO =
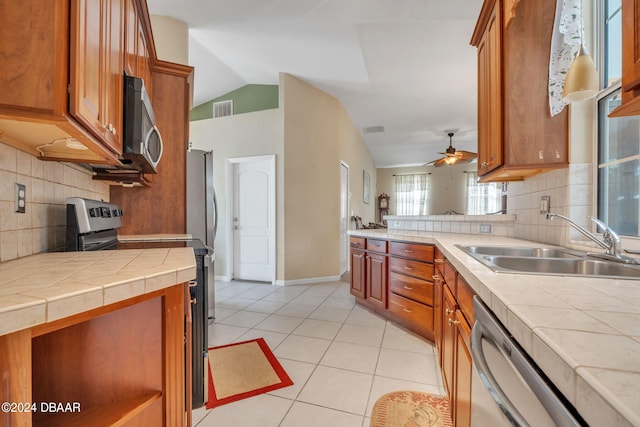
(235, 227)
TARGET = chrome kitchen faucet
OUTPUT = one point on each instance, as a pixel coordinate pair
(610, 240)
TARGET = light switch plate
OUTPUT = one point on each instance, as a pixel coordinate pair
(21, 198)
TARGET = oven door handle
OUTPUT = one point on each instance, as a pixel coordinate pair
(487, 378)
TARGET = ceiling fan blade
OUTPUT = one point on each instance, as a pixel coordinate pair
(466, 155)
(440, 162)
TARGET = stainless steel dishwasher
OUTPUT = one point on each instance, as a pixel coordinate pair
(507, 388)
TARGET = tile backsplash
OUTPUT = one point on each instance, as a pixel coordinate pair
(42, 227)
(571, 193)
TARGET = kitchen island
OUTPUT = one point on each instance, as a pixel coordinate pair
(582, 332)
(91, 338)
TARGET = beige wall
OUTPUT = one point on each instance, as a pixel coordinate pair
(355, 153)
(243, 135)
(42, 227)
(447, 186)
(171, 39)
(318, 135)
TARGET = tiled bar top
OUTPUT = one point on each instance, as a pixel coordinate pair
(49, 286)
(584, 333)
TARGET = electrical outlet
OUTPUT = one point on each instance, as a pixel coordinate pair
(21, 198)
(484, 228)
(545, 203)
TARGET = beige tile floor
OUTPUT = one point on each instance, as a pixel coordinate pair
(340, 356)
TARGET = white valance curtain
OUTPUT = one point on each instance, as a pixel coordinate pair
(411, 194)
(482, 198)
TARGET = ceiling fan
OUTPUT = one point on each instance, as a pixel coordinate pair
(451, 155)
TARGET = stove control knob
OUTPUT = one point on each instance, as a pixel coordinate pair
(94, 212)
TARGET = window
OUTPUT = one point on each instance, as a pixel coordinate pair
(411, 194)
(618, 170)
(483, 199)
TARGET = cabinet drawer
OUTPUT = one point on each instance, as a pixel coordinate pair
(412, 288)
(414, 312)
(418, 269)
(377, 245)
(356, 242)
(412, 250)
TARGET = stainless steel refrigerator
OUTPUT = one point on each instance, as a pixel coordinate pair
(202, 213)
(201, 224)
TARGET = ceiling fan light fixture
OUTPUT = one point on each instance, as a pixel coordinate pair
(450, 160)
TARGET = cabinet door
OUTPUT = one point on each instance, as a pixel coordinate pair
(112, 77)
(96, 69)
(357, 274)
(438, 312)
(377, 280)
(490, 95)
(144, 61)
(85, 103)
(630, 59)
(130, 38)
(448, 339)
(630, 45)
(462, 389)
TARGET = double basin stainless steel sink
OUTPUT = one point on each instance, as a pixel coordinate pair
(549, 261)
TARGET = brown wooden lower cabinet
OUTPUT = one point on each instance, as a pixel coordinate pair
(122, 364)
(358, 273)
(396, 282)
(462, 375)
(376, 280)
(413, 285)
(455, 353)
(448, 339)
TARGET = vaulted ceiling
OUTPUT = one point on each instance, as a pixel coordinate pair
(405, 65)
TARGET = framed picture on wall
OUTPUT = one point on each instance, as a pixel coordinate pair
(366, 190)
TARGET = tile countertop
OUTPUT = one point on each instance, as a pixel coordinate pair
(584, 333)
(49, 286)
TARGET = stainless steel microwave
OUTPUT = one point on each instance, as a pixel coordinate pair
(142, 143)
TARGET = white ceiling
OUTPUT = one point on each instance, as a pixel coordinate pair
(403, 64)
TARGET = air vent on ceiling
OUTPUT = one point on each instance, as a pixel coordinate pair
(373, 129)
(223, 108)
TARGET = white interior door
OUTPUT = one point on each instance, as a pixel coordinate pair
(344, 217)
(253, 219)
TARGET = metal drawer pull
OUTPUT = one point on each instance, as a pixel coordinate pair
(453, 322)
(408, 288)
(193, 283)
(406, 310)
(408, 268)
(194, 301)
(435, 277)
(407, 251)
(448, 312)
(438, 260)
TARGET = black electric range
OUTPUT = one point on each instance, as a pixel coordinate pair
(92, 225)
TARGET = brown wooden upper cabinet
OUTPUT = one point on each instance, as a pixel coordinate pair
(96, 68)
(517, 137)
(630, 60)
(61, 75)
